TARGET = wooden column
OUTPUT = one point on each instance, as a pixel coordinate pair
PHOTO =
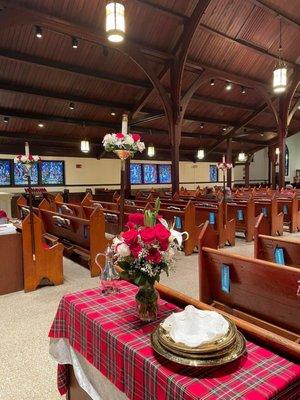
(272, 166)
(247, 174)
(176, 136)
(282, 133)
(229, 160)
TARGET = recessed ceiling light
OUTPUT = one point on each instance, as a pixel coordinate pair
(243, 90)
(41, 125)
(75, 42)
(202, 125)
(228, 86)
(71, 106)
(113, 113)
(38, 32)
(6, 120)
(212, 82)
(224, 128)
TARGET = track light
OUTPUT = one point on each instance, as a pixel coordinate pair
(202, 125)
(75, 43)
(212, 82)
(38, 32)
(113, 113)
(85, 146)
(151, 150)
(115, 21)
(224, 129)
(200, 154)
(243, 90)
(228, 85)
(6, 120)
(71, 106)
(41, 125)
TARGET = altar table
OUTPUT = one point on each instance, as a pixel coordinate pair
(106, 332)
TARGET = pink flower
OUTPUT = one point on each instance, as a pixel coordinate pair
(147, 235)
(154, 256)
(136, 137)
(136, 219)
(130, 237)
(135, 250)
(119, 135)
(162, 234)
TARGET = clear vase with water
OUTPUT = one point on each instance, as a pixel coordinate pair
(109, 276)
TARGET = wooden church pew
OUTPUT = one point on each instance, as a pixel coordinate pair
(269, 208)
(265, 247)
(23, 208)
(289, 205)
(45, 262)
(259, 292)
(242, 209)
(81, 237)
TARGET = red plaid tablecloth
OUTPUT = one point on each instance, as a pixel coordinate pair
(107, 332)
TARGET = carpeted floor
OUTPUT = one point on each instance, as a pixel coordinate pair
(26, 370)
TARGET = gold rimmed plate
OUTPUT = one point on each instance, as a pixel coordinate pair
(234, 352)
(216, 345)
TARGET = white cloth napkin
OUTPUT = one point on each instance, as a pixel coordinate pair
(194, 327)
(6, 229)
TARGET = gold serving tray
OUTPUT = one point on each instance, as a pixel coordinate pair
(217, 345)
(235, 351)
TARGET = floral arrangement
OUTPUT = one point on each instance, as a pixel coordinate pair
(147, 248)
(27, 160)
(120, 141)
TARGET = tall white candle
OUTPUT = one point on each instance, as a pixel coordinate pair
(124, 124)
(26, 149)
(223, 159)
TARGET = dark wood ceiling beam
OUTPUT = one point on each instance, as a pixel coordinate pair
(41, 62)
(274, 11)
(65, 97)
(164, 10)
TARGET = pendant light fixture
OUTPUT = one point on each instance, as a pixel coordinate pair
(277, 151)
(151, 150)
(115, 21)
(85, 146)
(280, 71)
(242, 157)
(200, 154)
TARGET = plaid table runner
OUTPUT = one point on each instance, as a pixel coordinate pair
(107, 332)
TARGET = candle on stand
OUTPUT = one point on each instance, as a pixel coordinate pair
(26, 149)
(223, 159)
(125, 124)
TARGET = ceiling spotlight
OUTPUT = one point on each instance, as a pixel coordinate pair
(85, 146)
(38, 32)
(202, 125)
(261, 134)
(113, 113)
(228, 86)
(105, 51)
(41, 125)
(200, 154)
(6, 119)
(212, 82)
(243, 90)
(224, 129)
(75, 42)
(71, 106)
(115, 21)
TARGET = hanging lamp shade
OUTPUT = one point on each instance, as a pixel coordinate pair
(200, 154)
(242, 156)
(280, 78)
(85, 146)
(115, 21)
(151, 150)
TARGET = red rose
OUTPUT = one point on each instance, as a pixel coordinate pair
(136, 137)
(164, 246)
(130, 237)
(3, 214)
(119, 135)
(135, 250)
(30, 157)
(162, 234)
(147, 235)
(136, 219)
(154, 256)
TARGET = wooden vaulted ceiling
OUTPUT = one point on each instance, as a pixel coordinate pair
(236, 40)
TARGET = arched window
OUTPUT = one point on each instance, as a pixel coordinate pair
(287, 160)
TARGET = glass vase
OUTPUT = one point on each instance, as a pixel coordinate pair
(147, 302)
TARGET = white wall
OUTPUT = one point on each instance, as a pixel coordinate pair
(293, 144)
(258, 168)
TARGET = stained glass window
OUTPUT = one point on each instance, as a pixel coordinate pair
(135, 173)
(164, 171)
(213, 173)
(52, 173)
(5, 179)
(150, 173)
(19, 175)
